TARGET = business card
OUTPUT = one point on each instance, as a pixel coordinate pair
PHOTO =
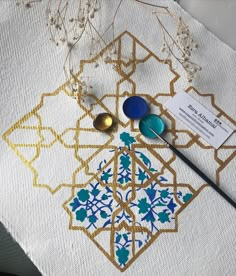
(199, 119)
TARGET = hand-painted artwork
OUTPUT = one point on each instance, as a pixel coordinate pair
(126, 190)
(131, 213)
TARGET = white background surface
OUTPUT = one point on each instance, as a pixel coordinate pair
(219, 17)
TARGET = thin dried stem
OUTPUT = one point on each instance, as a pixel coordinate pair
(152, 5)
(70, 20)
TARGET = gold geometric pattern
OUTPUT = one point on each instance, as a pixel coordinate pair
(116, 177)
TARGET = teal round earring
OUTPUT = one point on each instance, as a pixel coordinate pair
(153, 121)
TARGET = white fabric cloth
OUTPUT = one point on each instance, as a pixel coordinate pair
(216, 15)
(60, 179)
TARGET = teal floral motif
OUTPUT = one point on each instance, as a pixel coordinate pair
(127, 139)
(144, 158)
(122, 255)
(92, 205)
(164, 193)
(83, 195)
(124, 174)
(143, 206)
(164, 216)
(106, 175)
(81, 214)
(125, 161)
(123, 246)
(93, 218)
(146, 161)
(104, 197)
(103, 214)
(142, 175)
(187, 197)
(154, 201)
(184, 198)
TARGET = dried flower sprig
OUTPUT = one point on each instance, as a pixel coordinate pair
(79, 88)
(69, 21)
(66, 25)
(180, 45)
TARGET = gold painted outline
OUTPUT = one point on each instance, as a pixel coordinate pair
(88, 112)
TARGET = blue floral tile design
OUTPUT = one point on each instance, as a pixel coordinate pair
(130, 203)
(92, 206)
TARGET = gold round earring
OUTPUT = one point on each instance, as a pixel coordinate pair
(103, 122)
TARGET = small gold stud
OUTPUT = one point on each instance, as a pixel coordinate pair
(103, 122)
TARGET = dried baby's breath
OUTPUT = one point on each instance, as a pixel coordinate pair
(70, 21)
(178, 46)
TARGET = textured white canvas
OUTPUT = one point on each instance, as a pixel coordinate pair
(62, 183)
